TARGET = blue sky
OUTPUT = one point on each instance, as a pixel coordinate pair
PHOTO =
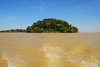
(18, 14)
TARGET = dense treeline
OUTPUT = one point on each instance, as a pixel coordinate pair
(48, 25)
(14, 30)
(52, 25)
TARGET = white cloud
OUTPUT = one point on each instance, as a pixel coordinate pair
(9, 18)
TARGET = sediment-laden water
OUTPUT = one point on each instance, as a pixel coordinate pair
(49, 49)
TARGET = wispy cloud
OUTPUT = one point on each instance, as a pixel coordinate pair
(1, 29)
(37, 7)
(84, 7)
(89, 29)
(4, 29)
(9, 18)
(23, 2)
(97, 0)
(41, 7)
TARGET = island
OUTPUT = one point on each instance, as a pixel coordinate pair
(49, 25)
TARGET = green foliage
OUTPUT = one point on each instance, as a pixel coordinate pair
(51, 25)
(48, 26)
(29, 29)
(37, 29)
(64, 29)
(15, 30)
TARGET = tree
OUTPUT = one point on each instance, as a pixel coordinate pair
(37, 29)
(29, 29)
(64, 29)
(49, 25)
(12, 30)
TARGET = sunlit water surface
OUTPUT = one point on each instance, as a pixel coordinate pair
(49, 49)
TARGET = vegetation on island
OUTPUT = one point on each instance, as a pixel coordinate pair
(48, 26)
(51, 25)
(14, 30)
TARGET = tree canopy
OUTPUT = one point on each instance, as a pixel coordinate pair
(47, 26)
(51, 25)
(15, 30)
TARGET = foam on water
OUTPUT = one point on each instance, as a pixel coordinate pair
(13, 61)
(52, 53)
(55, 55)
(51, 50)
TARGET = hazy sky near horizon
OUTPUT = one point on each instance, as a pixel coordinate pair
(18, 14)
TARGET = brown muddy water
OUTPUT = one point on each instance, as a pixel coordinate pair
(49, 49)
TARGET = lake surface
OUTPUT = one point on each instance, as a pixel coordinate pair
(49, 49)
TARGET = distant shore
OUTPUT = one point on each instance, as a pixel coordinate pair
(51, 32)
